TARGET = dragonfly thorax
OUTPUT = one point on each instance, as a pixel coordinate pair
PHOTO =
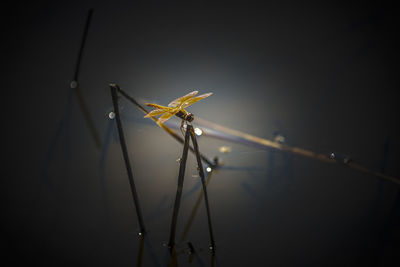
(189, 117)
(185, 116)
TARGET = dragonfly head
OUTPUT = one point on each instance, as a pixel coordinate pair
(189, 117)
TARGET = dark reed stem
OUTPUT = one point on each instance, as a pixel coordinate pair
(201, 173)
(88, 117)
(75, 84)
(83, 42)
(163, 126)
(194, 210)
(114, 95)
(173, 260)
(178, 196)
(140, 252)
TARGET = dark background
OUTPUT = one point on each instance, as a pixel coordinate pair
(324, 75)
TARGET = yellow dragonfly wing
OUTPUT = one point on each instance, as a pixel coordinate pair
(166, 117)
(175, 106)
(155, 113)
(182, 99)
(156, 106)
(160, 110)
(194, 100)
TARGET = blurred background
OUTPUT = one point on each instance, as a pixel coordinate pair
(324, 76)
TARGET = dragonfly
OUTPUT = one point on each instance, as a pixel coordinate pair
(177, 108)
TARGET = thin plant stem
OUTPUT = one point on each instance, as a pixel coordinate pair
(194, 210)
(76, 87)
(178, 196)
(140, 252)
(83, 42)
(114, 95)
(201, 173)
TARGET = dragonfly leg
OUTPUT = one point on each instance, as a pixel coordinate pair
(182, 128)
